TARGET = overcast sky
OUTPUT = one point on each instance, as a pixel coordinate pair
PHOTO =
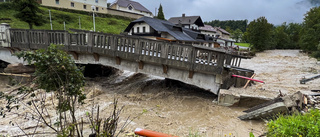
(276, 11)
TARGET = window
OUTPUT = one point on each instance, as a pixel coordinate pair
(130, 7)
(57, 2)
(97, 8)
(97, 1)
(144, 29)
(138, 31)
(72, 4)
(84, 6)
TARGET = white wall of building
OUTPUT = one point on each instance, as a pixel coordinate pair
(140, 26)
(221, 41)
(194, 26)
(134, 11)
(102, 3)
(209, 33)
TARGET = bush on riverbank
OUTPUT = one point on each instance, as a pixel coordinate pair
(307, 125)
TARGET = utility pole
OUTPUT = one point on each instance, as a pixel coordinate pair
(64, 25)
(94, 21)
(50, 19)
(79, 23)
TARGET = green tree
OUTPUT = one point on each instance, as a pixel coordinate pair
(28, 11)
(259, 34)
(233, 24)
(228, 29)
(293, 30)
(310, 32)
(56, 72)
(281, 38)
(160, 13)
(236, 35)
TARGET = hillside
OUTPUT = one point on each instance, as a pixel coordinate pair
(110, 24)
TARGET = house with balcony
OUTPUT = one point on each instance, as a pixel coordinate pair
(189, 22)
(156, 29)
(208, 30)
(131, 6)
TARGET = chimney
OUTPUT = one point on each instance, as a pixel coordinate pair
(183, 15)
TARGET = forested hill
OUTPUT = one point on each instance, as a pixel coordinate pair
(232, 24)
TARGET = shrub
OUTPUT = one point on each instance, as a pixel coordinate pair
(307, 125)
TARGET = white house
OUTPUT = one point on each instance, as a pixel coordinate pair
(189, 22)
(131, 6)
(157, 29)
(208, 30)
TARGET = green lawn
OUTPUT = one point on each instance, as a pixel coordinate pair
(109, 25)
(243, 44)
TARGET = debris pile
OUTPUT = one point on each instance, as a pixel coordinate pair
(314, 101)
(297, 102)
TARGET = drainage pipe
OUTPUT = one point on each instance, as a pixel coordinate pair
(149, 133)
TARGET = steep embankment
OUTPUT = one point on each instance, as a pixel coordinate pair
(110, 24)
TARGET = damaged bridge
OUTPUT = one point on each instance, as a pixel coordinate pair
(204, 67)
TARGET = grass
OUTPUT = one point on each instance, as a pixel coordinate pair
(243, 44)
(297, 125)
(109, 25)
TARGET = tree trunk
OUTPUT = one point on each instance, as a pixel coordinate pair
(30, 25)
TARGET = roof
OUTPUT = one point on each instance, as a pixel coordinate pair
(178, 33)
(208, 28)
(222, 30)
(127, 3)
(187, 20)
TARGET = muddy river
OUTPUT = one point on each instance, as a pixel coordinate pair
(181, 109)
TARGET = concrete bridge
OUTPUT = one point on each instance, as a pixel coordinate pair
(204, 67)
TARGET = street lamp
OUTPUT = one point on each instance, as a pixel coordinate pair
(94, 21)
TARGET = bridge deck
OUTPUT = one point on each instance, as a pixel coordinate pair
(193, 58)
(187, 58)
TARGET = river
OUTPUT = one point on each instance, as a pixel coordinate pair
(181, 109)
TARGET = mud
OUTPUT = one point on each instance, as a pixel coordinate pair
(183, 110)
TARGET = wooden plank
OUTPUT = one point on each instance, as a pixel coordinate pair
(245, 86)
(19, 75)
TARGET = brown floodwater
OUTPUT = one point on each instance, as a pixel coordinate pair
(181, 109)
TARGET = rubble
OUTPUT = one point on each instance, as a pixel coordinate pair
(297, 102)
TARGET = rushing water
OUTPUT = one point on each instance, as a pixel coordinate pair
(179, 109)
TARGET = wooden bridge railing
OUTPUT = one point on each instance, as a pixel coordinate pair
(192, 58)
